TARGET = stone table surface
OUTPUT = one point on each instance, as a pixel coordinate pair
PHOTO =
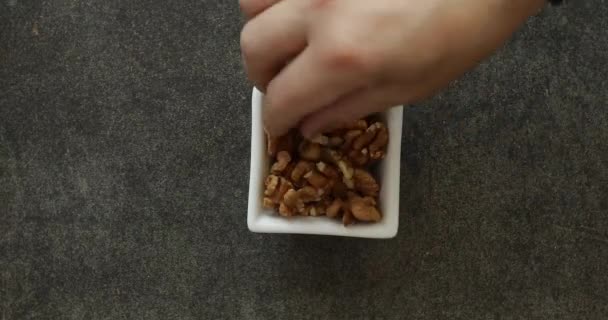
(124, 162)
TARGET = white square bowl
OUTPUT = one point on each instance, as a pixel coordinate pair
(260, 219)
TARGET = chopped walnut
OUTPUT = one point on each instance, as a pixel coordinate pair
(320, 139)
(346, 169)
(321, 208)
(359, 157)
(315, 210)
(334, 208)
(360, 124)
(365, 147)
(350, 137)
(365, 183)
(293, 202)
(283, 160)
(301, 169)
(347, 215)
(271, 184)
(283, 187)
(286, 211)
(331, 156)
(365, 139)
(308, 194)
(310, 151)
(349, 183)
(376, 148)
(317, 180)
(339, 189)
(291, 198)
(328, 170)
(275, 189)
(364, 209)
(268, 203)
(328, 174)
(288, 171)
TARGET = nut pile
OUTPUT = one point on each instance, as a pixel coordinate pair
(328, 175)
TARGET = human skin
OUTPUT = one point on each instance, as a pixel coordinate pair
(322, 63)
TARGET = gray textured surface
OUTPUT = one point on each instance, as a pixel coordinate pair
(124, 135)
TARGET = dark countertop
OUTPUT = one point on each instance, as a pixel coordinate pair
(124, 162)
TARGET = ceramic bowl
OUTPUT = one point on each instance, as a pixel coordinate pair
(260, 219)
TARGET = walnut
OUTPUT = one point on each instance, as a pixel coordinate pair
(346, 169)
(331, 156)
(364, 209)
(286, 173)
(283, 160)
(359, 124)
(347, 215)
(349, 138)
(310, 151)
(339, 189)
(327, 175)
(301, 168)
(349, 183)
(297, 201)
(271, 183)
(366, 138)
(285, 185)
(351, 194)
(291, 198)
(286, 211)
(362, 148)
(276, 188)
(365, 183)
(328, 170)
(317, 180)
(308, 194)
(292, 203)
(315, 210)
(320, 209)
(320, 139)
(376, 148)
(334, 208)
(359, 157)
(268, 203)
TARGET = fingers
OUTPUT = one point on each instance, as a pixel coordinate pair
(349, 108)
(362, 103)
(252, 8)
(306, 85)
(271, 39)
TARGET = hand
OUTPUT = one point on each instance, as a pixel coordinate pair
(322, 63)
